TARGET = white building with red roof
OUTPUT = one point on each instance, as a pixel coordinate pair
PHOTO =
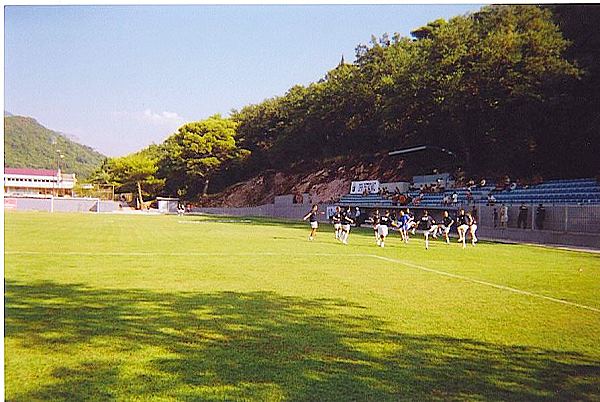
(31, 182)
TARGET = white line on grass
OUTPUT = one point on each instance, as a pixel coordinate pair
(267, 254)
(186, 254)
(502, 287)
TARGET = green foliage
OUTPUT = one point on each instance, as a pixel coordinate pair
(28, 144)
(474, 84)
(125, 172)
(193, 154)
(181, 166)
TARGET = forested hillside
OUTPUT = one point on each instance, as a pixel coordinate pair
(509, 89)
(29, 144)
(501, 88)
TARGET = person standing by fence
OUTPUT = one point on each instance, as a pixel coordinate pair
(540, 216)
(522, 219)
(503, 216)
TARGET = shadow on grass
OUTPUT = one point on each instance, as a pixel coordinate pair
(261, 345)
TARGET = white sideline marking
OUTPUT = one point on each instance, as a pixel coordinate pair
(502, 287)
(267, 254)
(217, 221)
(186, 254)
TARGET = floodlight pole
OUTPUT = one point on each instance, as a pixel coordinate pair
(422, 148)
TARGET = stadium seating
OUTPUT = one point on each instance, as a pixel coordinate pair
(552, 192)
(369, 201)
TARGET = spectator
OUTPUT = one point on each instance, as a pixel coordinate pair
(470, 184)
(522, 216)
(454, 197)
(495, 217)
(503, 216)
(357, 217)
(540, 215)
(491, 199)
(469, 196)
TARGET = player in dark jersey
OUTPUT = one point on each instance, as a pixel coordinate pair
(375, 221)
(336, 219)
(472, 227)
(384, 223)
(447, 223)
(346, 221)
(427, 224)
(462, 225)
(314, 224)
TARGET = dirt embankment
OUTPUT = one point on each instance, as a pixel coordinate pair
(325, 182)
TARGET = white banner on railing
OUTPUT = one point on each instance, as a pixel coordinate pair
(358, 187)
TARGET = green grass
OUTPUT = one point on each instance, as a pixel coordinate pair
(103, 307)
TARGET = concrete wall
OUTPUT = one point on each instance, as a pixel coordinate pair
(60, 204)
(559, 218)
(540, 237)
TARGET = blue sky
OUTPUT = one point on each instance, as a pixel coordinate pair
(121, 77)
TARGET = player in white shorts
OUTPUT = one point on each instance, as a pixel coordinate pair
(314, 224)
(384, 222)
(462, 222)
(472, 227)
(337, 222)
(412, 224)
(346, 221)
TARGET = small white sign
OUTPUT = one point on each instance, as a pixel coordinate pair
(358, 187)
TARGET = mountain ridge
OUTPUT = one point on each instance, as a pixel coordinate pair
(28, 144)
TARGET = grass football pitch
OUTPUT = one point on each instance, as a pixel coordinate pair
(129, 307)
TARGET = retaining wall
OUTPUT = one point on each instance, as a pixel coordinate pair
(59, 204)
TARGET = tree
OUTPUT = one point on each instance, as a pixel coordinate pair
(193, 154)
(135, 173)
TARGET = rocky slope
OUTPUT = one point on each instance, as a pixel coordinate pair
(325, 182)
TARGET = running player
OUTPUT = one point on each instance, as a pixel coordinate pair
(312, 217)
(403, 223)
(462, 222)
(427, 224)
(412, 224)
(384, 222)
(447, 223)
(336, 219)
(346, 221)
(472, 227)
(375, 220)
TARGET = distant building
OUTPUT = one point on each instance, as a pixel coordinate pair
(30, 182)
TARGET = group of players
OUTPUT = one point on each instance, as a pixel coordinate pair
(405, 223)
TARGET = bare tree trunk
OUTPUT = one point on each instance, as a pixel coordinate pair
(205, 191)
(139, 186)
